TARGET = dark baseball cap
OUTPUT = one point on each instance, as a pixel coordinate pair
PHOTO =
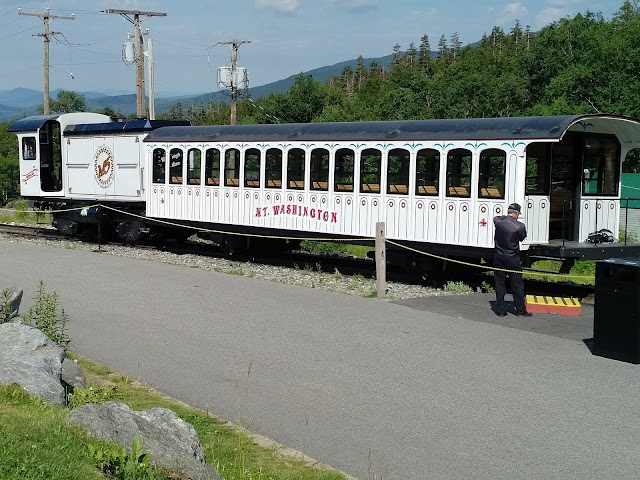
(514, 206)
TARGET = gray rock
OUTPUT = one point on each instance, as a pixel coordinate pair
(172, 442)
(72, 376)
(30, 359)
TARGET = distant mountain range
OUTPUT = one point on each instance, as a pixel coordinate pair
(21, 102)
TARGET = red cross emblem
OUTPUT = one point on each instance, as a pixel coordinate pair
(483, 222)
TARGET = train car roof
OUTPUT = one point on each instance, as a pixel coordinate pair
(31, 124)
(523, 128)
(129, 126)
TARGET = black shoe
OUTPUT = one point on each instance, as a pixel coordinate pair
(501, 314)
(524, 314)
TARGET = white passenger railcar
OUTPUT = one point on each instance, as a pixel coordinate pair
(437, 184)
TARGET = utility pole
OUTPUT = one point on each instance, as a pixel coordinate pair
(46, 36)
(136, 21)
(235, 45)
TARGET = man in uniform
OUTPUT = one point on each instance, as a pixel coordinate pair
(509, 233)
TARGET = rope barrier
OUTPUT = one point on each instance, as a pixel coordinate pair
(391, 242)
(495, 269)
(317, 239)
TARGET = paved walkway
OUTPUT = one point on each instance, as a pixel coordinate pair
(433, 389)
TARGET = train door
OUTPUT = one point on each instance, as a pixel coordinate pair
(50, 154)
(536, 191)
(566, 161)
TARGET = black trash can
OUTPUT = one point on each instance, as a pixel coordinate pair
(616, 321)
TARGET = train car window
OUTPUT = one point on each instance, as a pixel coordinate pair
(252, 168)
(212, 167)
(493, 165)
(370, 166)
(232, 167)
(295, 169)
(319, 169)
(29, 148)
(600, 174)
(538, 176)
(344, 168)
(176, 156)
(398, 171)
(159, 165)
(273, 168)
(427, 172)
(459, 173)
(194, 166)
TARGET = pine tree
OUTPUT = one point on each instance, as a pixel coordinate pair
(442, 47)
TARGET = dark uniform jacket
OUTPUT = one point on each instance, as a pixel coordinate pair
(509, 233)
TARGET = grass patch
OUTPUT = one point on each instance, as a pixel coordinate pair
(311, 246)
(36, 441)
(20, 213)
(583, 272)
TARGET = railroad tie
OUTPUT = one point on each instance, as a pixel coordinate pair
(554, 305)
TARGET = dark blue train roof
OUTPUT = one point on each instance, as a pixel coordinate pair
(128, 126)
(31, 124)
(552, 127)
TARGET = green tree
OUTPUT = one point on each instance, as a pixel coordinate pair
(67, 101)
(301, 104)
(9, 167)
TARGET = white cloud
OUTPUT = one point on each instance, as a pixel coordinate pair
(354, 6)
(562, 4)
(514, 10)
(286, 6)
(550, 15)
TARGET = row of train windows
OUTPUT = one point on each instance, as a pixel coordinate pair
(427, 175)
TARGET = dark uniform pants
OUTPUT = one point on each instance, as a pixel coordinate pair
(515, 279)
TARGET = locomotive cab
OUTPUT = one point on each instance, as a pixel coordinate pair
(42, 152)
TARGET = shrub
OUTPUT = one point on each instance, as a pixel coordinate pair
(118, 463)
(626, 236)
(47, 316)
(22, 210)
(5, 306)
(457, 287)
(486, 287)
(99, 395)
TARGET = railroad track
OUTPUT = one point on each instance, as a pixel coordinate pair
(29, 231)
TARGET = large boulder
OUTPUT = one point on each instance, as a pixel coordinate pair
(172, 442)
(30, 359)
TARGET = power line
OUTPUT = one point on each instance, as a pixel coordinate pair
(18, 33)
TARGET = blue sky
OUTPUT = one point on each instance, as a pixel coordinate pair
(287, 36)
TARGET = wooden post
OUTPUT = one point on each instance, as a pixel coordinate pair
(381, 260)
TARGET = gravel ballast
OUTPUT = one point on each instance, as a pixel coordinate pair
(308, 277)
